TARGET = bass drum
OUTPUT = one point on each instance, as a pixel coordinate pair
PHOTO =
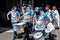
(38, 36)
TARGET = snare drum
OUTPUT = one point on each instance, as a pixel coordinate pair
(38, 36)
(20, 24)
(49, 28)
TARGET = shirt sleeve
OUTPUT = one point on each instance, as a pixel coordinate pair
(57, 13)
(53, 14)
(18, 13)
(46, 16)
(9, 12)
(31, 12)
(34, 17)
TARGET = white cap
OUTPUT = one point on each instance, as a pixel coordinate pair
(36, 9)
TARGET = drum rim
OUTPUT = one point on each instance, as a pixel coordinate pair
(34, 36)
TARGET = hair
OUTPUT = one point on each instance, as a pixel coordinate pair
(14, 7)
(48, 6)
(54, 6)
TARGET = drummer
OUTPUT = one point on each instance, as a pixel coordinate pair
(49, 28)
(31, 13)
(28, 13)
(56, 15)
(14, 18)
(28, 16)
(39, 19)
(49, 12)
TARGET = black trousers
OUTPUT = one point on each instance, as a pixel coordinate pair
(26, 31)
(50, 36)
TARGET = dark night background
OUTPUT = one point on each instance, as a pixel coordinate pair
(5, 6)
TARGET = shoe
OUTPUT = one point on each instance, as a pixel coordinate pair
(14, 38)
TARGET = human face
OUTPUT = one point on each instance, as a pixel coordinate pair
(15, 9)
(25, 7)
(46, 8)
(46, 21)
(54, 8)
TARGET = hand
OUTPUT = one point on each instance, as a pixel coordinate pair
(17, 20)
(51, 20)
(7, 18)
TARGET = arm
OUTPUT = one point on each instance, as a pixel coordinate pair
(57, 13)
(20, 17)
(53, 15)
(32, 14)
(33, 22)
(8, 15)
(31, 17)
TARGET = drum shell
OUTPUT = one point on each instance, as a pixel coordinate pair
(41, 38)
(38, 36)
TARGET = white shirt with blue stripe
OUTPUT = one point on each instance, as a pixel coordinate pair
(13, 15)
(40, 21)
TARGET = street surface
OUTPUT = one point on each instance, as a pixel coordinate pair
(8, 34)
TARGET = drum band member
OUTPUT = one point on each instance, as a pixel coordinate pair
(56, 16)
(14, 18)
(39, 19)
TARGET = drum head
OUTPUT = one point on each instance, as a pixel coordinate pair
(38, 35)
(21, 23)
(47, 30)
